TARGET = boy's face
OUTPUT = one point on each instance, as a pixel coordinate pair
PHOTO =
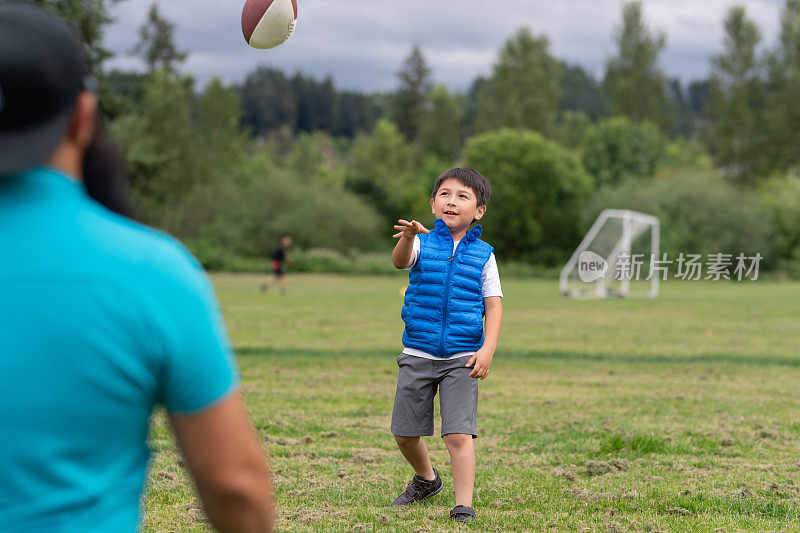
(456, 204)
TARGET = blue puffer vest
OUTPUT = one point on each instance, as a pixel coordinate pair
(443, 308)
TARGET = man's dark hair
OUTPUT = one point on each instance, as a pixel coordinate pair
(468, 177)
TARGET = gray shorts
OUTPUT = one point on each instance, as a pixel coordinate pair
(417, 382)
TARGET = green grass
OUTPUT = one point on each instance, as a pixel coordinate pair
(674, 414)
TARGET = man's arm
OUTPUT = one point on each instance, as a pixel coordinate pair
(228, 465)
(491, 334)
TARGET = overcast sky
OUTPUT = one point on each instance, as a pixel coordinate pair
(361, 43)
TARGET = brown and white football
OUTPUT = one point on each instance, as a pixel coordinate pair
(268, 23)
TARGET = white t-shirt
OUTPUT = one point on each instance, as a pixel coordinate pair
(490, 286)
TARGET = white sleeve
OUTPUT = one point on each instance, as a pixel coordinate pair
(415, 253)
(490, 279)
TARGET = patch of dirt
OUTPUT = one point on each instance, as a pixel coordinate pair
(783, 490)
(289, 441)
(195, 513)
(679, 511)
(598, 468)
(653, 527)
(586, 494)
(163, 475)
(368, 455)
(567, 472)
(305, 516)
(165, 480)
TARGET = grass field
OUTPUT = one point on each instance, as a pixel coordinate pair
(674, 414)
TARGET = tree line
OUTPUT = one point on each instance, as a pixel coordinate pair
(232, 167)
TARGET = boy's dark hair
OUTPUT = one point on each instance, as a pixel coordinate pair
(468, 177)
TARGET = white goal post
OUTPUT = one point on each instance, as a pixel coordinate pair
(619, 250)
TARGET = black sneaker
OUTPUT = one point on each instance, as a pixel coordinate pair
(462, 513)
(419, 489)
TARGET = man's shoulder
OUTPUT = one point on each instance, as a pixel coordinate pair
(144, 250)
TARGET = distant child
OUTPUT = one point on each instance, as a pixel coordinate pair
(453, 284)
(279, 255)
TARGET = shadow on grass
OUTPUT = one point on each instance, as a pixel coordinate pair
(665, 359)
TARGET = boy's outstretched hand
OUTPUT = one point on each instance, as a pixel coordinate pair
(409, 229)
(480, 363)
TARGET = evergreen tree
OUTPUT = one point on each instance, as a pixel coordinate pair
(159, 144)
(581, 92)
(219, 140)
(440, 132)
(355, 112)
(316, 103)
(782, 108)
(470, 104)
(269, 101)
(524, 90)
(408, 103)
(634, 84)
(88, 17)
(157, 44)
(735, 87)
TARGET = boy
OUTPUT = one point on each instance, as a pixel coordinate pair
(280, 255)
(453, 283)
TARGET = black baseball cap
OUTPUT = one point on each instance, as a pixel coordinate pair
(42, 71)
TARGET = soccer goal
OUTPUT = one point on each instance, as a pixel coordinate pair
(616, 258)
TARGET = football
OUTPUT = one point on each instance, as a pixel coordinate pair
(268, 23)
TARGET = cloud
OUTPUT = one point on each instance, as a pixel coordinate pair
(361, 43)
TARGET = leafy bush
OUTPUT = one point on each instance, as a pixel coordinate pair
(781, 195)
(615, 150)
(216, 258)
(700, 213)
(326, 260)
(381, 170)
(681, 154)
(538, 192)
(248, 214)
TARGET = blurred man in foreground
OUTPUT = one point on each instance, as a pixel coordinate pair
(101, 319)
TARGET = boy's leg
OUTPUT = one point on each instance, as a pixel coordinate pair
(462, 464)
(282, 283)
(416, 453)
(458, 398)
(266, 285)
(412, 415)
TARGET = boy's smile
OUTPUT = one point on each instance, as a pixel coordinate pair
(457, 205)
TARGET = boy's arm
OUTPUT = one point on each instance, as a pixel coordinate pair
(401, 255)
(491, 334)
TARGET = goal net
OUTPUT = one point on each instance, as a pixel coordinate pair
(615, 258)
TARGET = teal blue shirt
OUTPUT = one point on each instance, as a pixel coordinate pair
(101, 319)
